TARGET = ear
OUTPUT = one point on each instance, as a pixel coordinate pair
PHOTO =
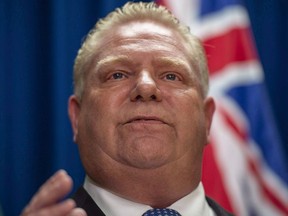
(74, 112)
(209, 109)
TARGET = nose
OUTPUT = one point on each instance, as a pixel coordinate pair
(145, 89)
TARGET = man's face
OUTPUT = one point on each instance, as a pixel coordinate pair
(141, 106)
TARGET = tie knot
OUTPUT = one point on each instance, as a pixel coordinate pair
(161, 212)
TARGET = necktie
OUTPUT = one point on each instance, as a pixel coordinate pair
(161, 212)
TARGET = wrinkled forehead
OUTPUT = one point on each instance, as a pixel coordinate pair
(141, 36)
(150, 30)
(140, 32)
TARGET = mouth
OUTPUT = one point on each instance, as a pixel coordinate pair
(146, 120)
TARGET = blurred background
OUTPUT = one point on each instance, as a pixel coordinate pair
(39, 40)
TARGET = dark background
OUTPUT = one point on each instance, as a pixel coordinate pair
(39, 40)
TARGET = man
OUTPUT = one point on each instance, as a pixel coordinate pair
(141, 118)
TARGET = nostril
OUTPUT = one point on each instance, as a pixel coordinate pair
(145, 92)
(139, 97)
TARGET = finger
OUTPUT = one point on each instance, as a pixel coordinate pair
(53, 190)
(78, 212)
(61, 209)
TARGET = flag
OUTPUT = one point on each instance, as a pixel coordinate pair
(244, 165)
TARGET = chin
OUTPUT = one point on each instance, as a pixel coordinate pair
(148, 161)
(147, 152)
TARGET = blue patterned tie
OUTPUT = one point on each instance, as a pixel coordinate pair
(161, 212)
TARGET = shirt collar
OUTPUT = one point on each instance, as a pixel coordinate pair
(113, 205)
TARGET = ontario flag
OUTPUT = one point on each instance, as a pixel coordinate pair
(244, 166)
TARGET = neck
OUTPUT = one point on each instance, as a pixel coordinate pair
(159, 187)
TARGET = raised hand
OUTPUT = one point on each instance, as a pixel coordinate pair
(47, 201)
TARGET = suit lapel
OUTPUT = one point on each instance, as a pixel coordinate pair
(84, 200)
(218, 210)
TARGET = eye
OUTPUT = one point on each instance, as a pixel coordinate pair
(117, 76)
(171, 77)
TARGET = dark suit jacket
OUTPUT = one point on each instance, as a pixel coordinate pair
(83, 200)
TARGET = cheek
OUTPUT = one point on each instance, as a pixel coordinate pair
(99, 116)
(195, 130)
(94, 137)
(188, 110)
(102, 106)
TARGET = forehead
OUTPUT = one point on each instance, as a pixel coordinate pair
(143, 36)
(137, 28)
(149, 30)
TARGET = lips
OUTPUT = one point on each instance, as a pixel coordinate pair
(146, 119)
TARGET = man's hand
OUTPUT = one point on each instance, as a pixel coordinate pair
(46, 200)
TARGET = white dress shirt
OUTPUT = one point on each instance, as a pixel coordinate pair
(112, 205)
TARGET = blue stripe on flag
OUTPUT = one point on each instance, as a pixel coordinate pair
(210, 6)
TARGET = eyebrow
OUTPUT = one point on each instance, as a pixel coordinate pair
(172, 62)
(112, 60)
